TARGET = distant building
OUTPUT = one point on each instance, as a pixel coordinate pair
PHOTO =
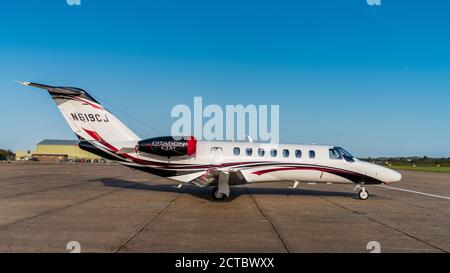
(53, 150)
(24, 155)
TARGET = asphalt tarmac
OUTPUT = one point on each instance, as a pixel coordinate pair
(110, 208)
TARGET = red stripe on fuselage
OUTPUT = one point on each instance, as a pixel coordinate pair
(320, 169)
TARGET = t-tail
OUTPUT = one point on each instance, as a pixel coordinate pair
(88, 119)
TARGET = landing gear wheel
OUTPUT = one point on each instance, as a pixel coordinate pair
(363, 194)
(216, 195)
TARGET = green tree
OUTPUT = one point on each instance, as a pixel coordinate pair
(6, 154)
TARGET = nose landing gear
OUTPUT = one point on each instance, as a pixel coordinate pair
(363, 194)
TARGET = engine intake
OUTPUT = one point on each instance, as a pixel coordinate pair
(168, 146)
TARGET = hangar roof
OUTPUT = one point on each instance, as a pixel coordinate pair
(58, 142)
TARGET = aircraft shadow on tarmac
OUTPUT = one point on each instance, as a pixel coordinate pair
(204, 193)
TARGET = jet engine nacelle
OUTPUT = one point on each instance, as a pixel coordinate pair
(168, 146)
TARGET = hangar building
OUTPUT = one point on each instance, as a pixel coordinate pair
(55, 150)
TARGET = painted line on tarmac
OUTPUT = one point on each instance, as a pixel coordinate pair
(416, 192)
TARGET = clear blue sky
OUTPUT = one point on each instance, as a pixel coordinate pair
(373, 79)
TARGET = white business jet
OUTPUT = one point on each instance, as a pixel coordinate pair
(210, 163)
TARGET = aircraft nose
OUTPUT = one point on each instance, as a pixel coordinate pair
(391, 176)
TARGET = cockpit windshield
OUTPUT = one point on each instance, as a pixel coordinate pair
(346, 155)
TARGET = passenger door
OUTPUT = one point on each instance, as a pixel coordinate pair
(216, 155)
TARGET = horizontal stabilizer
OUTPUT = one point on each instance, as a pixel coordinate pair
(56, 89)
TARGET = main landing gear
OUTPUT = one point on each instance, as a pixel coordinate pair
(217, 195)
(222, 191)
(363, 194)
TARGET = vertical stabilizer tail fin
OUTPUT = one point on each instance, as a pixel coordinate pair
(87, 118)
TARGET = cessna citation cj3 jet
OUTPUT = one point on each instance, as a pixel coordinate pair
(210, 163)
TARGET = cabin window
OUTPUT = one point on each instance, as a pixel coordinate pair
(261, 152)
(312, 154)
(249, 151)
(285, 153)
(273, 153)
(334, 154)
(298, 153)
(236, 151)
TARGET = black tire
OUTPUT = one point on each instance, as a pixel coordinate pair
(363, 194)
(216, 196)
